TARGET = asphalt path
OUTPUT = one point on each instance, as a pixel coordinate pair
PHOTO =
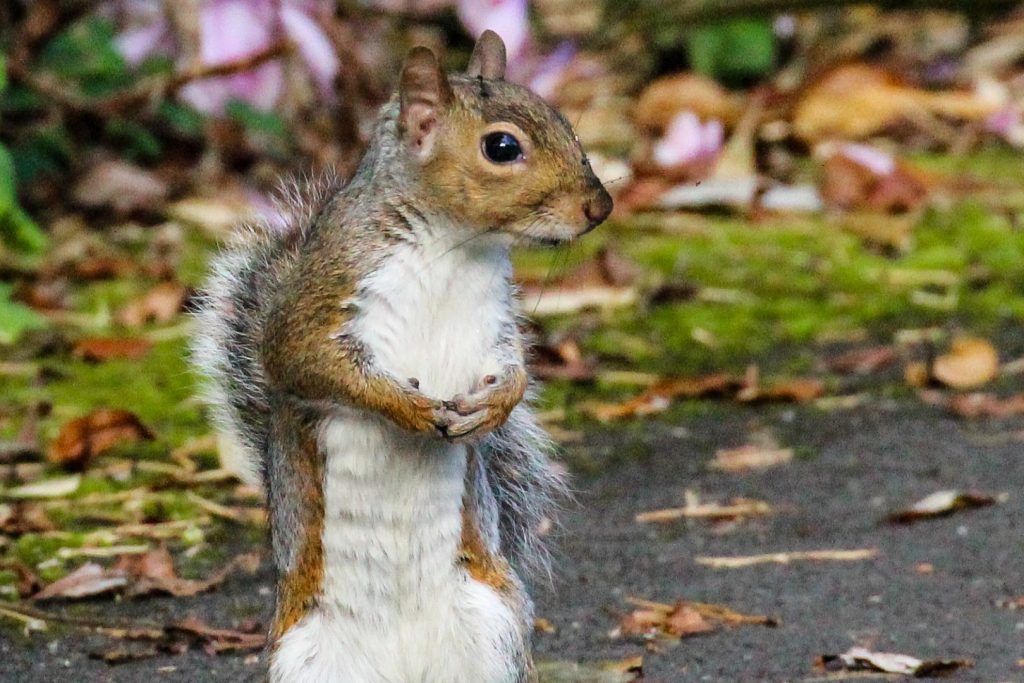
(932, 590)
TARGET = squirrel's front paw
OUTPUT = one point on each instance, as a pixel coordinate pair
(489, 406)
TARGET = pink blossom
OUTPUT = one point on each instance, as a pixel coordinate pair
(551, 71)
(508, 18)
(230, 30)
(1007, 123)
(687, 141)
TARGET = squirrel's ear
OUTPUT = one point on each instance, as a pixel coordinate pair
(424, 92)
(488, 58)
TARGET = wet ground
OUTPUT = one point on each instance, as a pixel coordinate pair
(852, 467)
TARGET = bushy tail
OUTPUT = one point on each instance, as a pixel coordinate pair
(231, 311)
(527, 487)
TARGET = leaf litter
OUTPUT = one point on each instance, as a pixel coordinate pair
(82, 439)
(682, 619)
(148, 573)
(862, 659)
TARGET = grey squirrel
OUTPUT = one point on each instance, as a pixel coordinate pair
(368, 359)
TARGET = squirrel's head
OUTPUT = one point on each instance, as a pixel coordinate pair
(493, 154)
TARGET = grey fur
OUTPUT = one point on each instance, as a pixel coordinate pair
(232, 310)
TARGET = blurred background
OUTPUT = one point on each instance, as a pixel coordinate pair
(803, 316)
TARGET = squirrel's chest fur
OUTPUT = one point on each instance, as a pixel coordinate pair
(433, 311)
(396, 606)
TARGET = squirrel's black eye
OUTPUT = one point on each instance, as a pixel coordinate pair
(502, 148)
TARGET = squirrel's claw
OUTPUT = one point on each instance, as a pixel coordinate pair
(467, 425)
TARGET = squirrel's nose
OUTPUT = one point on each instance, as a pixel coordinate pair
(597, 208)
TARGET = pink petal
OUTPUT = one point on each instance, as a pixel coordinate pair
(682, 141)
(508, 18)
(552, 69)
(137, 44)
(231, 30)
(234, 29)
(1003, 121)
(712, 135)
(316, 49)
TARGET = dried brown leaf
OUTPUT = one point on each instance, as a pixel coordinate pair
(978, 404)
(941, 504)
(684, 618)
(665, 97)
(87, 581)
(153, 573)
(856, 101)
(970, 363)
(658, 398)
(161, 304)
(23, 518)
(685, 621)
(99, 349)
(863, 361)
(862, 659)
(121, 186)
(89, 436)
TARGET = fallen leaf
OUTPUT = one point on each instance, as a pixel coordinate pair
(122, 654)
(970, 363)
(666, 97)
(941, 504)
(863, 361)
(787, 557)
(685, 621)
(542, 625)
(99, 349)
(87, 581)
(798, 389)
(750, 457)
(856, 101)
(217, 217)
(863, 177)
(862, 659)
(122, 186)
(217, 640)
(684, 618)
(57, 487)
(657, 398)
(601, 282)
(103, 268)
(153, 573)
(574, 672)
(24, 518)
(978, 404)
(89, 436)
(160, 304)
(560, 360)
(26, 580)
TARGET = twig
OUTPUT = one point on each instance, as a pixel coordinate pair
(787, 557)
(243, 515)
(152, 88)
(108, 551)
(741, 508)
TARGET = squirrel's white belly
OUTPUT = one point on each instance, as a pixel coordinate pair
(395, 605)
(433, 312)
